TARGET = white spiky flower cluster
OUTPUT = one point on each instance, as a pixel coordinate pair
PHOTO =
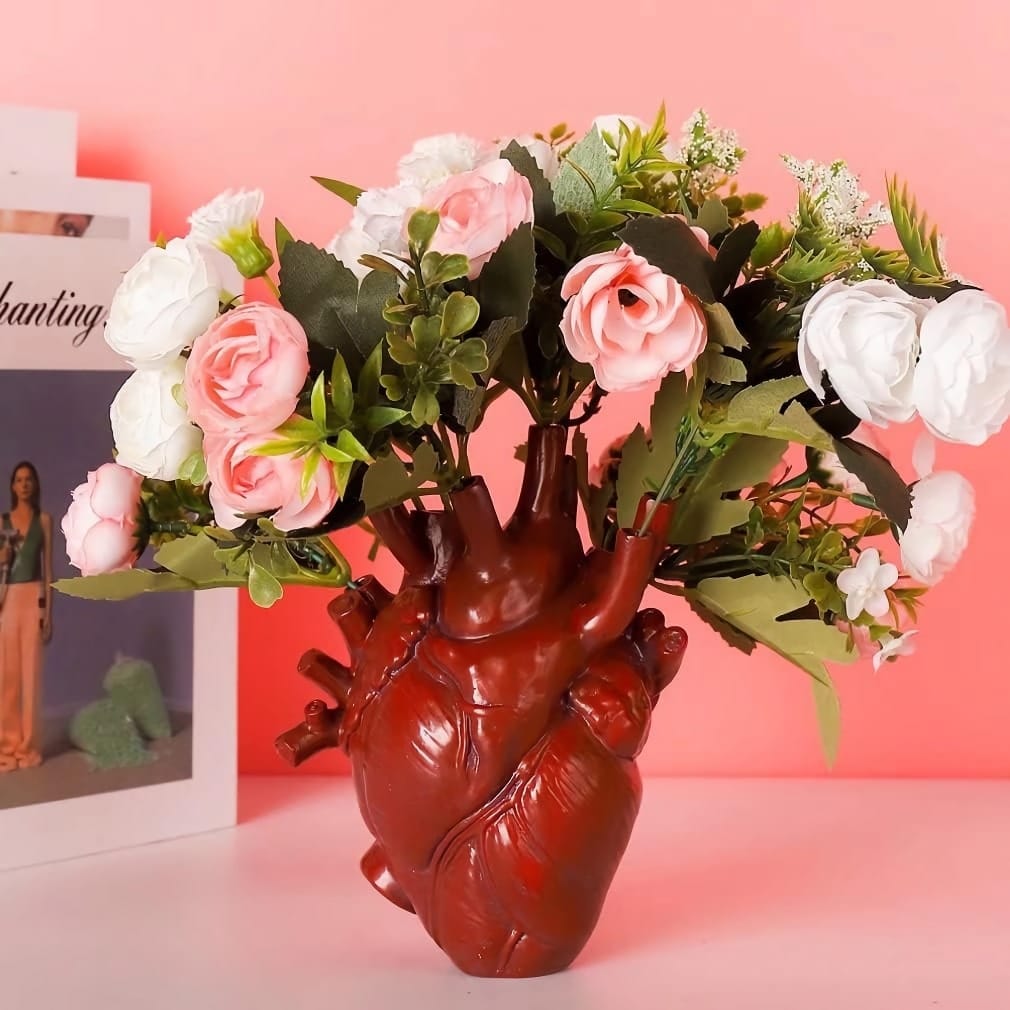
(835, 192)
(712, 151)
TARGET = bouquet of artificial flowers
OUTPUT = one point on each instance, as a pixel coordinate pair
(564, 270)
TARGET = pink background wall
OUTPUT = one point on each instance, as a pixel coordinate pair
(196, 96)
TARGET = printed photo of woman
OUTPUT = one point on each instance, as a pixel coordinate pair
(26, 538)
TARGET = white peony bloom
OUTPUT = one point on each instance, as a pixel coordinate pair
(433, 159)
(167, 299)
(543, 154)
(865, 585)
(892, 647)
(865, 336)
(378, 225)
(228, 213)
(962, 380)
(943, 508)
(152, 433)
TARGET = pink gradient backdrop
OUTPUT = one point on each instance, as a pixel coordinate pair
(197, 96)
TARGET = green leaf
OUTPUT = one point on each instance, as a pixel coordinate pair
(279, 447)
(194, 468)
(461, 376)
(341, 390)
(368, 377)
(505, 285)
(192, 557)
(701, 511)
(318, 401)
(918, 238)
(459, 314)
(721, 368)
(808, 266)
(300, 429)
(471, 354)
(771, 244)
(525, 164)
(427, 334)
(388, 482)
(633, 207)
(421, 227)
(425, 407)
(722, 330)
(402, 352)
(587, 171)
(281, 563)
(281, 236)
(325, 297)
(713, 217)
(348, 443)
(644, 460)
(377, 418)
(123, 585)
(437, 268)
(264, 589)
(333, 454)
(733, 253)
(754, 604)
(668, 243)
(342, 189)
(551, 242)
(312, 460)
(889, 491)
(758, 411)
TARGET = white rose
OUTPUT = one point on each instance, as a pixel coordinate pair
(865, 336)
(433, 159)
(943, 507)
(543, 154)
(152, 433)
(376, 226)
(167, 299)
(962, 380)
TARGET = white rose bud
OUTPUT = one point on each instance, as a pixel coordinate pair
(376, 226)
(962, 381)
(943, 507)
(433, 159)
(166, 300)
(152, 433)
(865, 336)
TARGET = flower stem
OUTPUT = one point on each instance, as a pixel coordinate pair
(672, 476)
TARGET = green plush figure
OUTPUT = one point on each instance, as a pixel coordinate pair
(105, 731)
(134, 684)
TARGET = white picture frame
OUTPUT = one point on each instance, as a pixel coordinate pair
(31, 357)
(38, 141)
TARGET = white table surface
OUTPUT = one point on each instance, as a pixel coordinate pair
(733, 895)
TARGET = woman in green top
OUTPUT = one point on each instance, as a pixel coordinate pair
(25, 621)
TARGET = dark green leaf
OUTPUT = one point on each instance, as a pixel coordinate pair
(554, 245)
(882, 481)
(668, 243)
(524, 163)
(377, 418)
(632, 207)
(722, 330)
(505, 285)
(342, 189)
(733, 253)
(770, 245)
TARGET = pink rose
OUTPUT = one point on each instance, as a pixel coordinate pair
(700, 234)
(479, 210)
(246, 370)
(242, 483)
(629, 320)
(101, 524)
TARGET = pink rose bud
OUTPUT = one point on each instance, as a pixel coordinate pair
(629, 320)
(101, 524)
(243, 483)
(246, 371)
(479, 210)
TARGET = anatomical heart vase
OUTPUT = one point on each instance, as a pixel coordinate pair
(493, 712)
(493, 704)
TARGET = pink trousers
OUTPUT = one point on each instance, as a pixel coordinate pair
(20, 675)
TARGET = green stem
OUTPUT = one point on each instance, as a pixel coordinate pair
(274, 290)
(672, 475)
